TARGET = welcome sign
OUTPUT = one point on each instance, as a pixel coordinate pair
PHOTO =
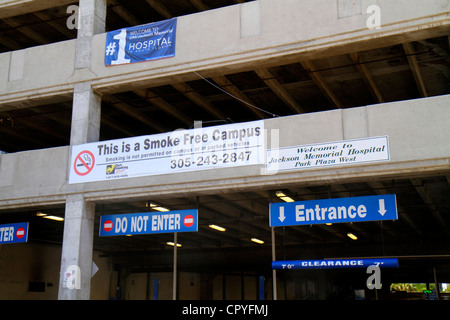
(141, 43)
(355, 151)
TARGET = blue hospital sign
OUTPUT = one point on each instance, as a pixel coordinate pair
(149, 222)
(14, 233)
(141, 43)
(338, 210)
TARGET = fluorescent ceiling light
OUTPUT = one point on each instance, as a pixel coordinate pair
(257, 241)
(156, 207)
(352, 236)
(173, 244)
(161, 209)
(283, 197)
(218, 228)
(46, 216)
(54, 218)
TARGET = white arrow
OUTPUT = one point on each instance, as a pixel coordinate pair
(94, 268)
(281, 217)
(382, 210)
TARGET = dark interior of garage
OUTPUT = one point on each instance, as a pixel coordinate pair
(419, 239)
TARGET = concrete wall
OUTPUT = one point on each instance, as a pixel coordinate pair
(30, 174)
(21, 264)
(37, 74)
(418, 133)
(255, 34)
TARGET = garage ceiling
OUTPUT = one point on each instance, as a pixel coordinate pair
(397, 72)
(422, 229)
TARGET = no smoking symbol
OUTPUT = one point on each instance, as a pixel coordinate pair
(84, 163)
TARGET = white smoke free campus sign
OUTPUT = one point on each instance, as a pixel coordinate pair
(223, 146)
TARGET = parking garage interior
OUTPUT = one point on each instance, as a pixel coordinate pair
(227, 264)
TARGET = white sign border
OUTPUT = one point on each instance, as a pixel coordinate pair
(268, 151)
(236, 145)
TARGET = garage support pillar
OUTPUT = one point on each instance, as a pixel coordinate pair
(91, 21)
(86, 110)
(77, 247)
(76, 256)
(86, 114)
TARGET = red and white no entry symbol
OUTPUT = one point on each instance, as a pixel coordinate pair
(20, 233)
(84, 163)
(107, 225)
(188, 221)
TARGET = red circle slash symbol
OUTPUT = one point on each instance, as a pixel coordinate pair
(107, 225)
(84, 163)
(188, 221)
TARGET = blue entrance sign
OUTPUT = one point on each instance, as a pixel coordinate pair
(148, 223)
(334, 263)
(14, 232)
(355, 209)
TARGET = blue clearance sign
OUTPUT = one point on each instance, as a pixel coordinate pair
(338, 210)
(334, 263)
(141, 43)
(14, 232)
(149, 222)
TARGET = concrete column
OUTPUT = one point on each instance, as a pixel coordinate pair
(86, 114)
(76, 257)
(92, 16)
(86, 111)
